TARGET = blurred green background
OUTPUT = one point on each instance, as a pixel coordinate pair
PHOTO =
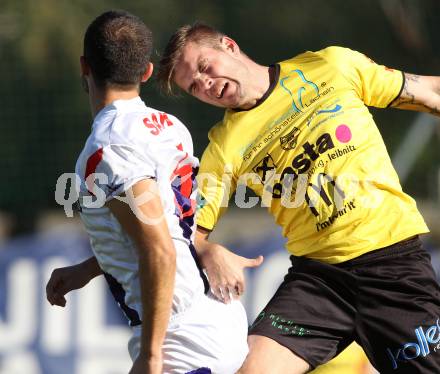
(44, 114)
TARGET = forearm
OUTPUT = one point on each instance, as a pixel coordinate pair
(420, 93)
(157, 270)
(202, 243)
(91, 267)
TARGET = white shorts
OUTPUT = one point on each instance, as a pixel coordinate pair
(208, 334)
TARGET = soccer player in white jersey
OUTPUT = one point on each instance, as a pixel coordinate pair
(137, 202)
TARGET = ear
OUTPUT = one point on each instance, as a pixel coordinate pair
(148, 72)
(230, 45)
(85, 68)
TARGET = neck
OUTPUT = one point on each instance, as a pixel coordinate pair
(100, 98)
(259, 84)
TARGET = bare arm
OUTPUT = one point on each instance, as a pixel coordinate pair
(420, 93)
(64, 280)
(147, 227)
(224, 268)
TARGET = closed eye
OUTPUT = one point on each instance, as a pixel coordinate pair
(203, 65)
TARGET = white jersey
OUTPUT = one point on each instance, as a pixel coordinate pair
(130, 142)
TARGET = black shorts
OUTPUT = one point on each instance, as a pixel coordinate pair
(388, 301)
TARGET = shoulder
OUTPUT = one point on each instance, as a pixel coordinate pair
(223, 150)
(216, 136)
(343, 56)
(217, 133)
(225, 134)
(329, 54)
(334, 52)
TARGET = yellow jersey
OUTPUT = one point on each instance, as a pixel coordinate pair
(314, 157)
(352, 360)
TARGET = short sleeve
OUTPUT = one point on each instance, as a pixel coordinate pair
(121, 166)
(377, 85)
(216, 184)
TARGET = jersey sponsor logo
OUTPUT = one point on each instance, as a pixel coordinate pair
(284, 325)
(302, 162)
(348, 207)
(266, 136)
(289, 84)
(264, 166)
(343, 133)
(157, 123)
(331, 195)
(339, 152)
(412, 350)
(288, 118)
(336, 108)
(287, 326)
(323, 115)
(290, 140)
(307, 89)
(308, 192)
(297, 177)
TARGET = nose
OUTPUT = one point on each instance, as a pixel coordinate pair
(205, 82)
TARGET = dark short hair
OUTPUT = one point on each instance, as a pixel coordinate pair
(198, 33)
(117, 47)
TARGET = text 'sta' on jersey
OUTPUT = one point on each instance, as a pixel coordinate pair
(312, 151)
(130, 142)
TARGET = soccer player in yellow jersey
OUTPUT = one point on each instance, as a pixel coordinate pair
(300, 135)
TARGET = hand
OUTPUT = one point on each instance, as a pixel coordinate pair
(146, 366)
(226, 271)
(64, 280)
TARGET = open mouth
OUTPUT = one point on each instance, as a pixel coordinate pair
(220, 95)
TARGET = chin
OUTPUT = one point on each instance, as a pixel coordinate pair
(219, 105)
(234, 102)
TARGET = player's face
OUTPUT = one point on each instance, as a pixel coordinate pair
(214, 76)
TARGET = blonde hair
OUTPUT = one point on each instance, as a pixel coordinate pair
(198, 33)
